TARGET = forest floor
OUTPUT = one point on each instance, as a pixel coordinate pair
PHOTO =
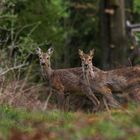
(22, 124)
(22, 118)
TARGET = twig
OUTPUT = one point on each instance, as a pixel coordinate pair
(130, 62)
(46, 103)
(7, 16)
(24, 27)
(12, 68)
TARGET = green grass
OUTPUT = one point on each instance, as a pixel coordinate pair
(59, 125)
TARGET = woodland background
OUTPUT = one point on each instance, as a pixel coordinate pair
(67, 25)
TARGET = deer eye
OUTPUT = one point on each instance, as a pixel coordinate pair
(83, 59)
(89, 59)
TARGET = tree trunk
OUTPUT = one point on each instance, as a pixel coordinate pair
(113, 33)
(105, 36)
(118, 43)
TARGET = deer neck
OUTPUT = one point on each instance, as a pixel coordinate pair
(88, 73)
(47, 70)
(91, 72)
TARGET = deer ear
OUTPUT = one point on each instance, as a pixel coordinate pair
(38, 51)
(80, 52)
(50, 50)
(91, 53)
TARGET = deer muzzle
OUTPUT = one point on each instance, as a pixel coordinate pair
(86, 66)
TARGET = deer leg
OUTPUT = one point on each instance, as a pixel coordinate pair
(108, 95)
(106, 105)
(61, 100)
(91, 96)
(66, 101)
(89, 92)
(46, 103)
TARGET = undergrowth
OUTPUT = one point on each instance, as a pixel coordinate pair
(55, 124)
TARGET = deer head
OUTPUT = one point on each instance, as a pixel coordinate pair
(44, 58)
(86, 59)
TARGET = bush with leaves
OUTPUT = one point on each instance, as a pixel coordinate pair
(26, 24)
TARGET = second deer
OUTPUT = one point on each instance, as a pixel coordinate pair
(90, 76)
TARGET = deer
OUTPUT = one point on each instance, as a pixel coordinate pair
(100, 86)
(64, 80)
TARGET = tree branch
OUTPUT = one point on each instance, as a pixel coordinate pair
(12, 68)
